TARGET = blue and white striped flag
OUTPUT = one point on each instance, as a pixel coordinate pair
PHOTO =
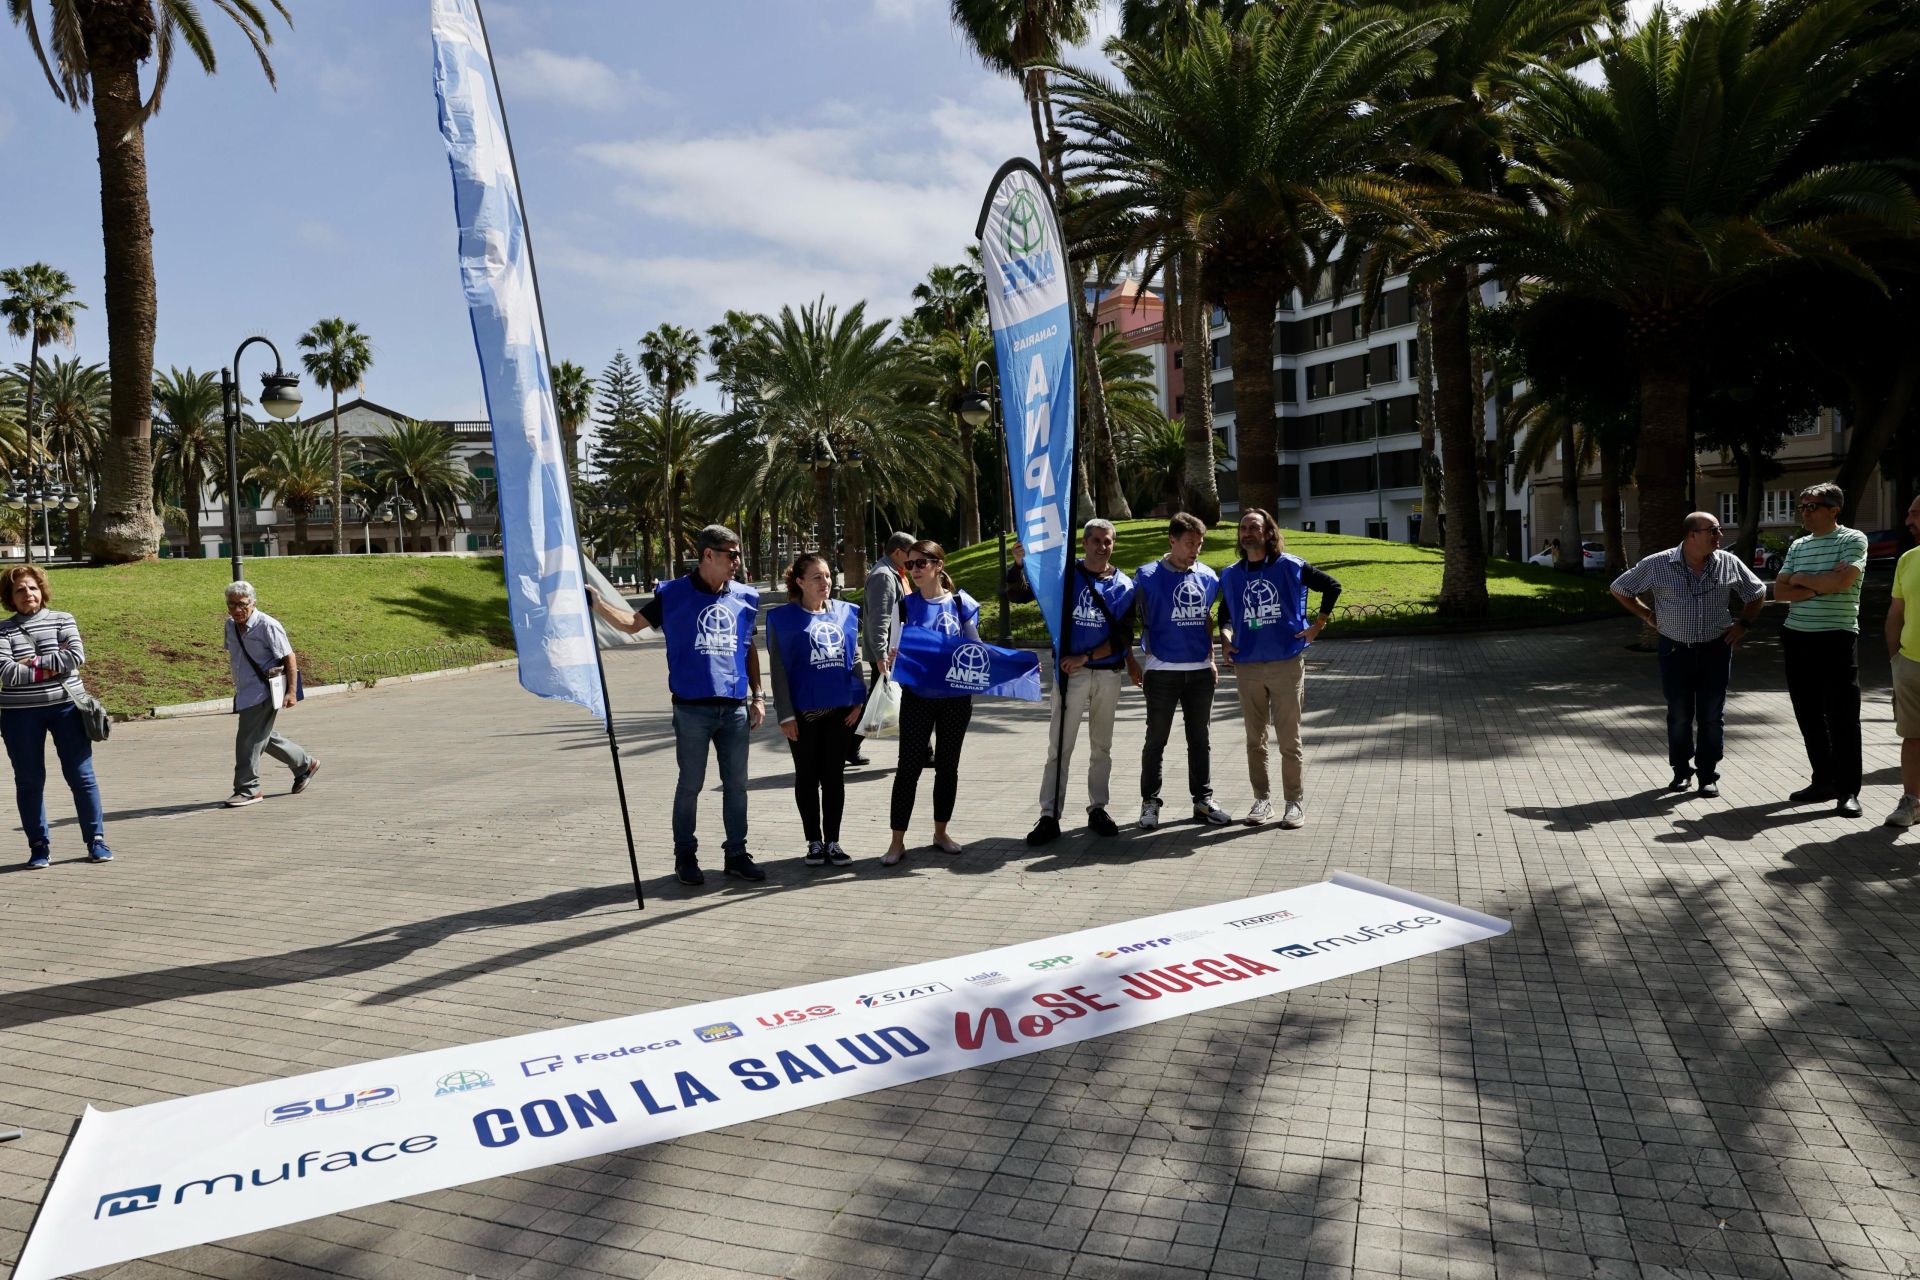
(551, 626)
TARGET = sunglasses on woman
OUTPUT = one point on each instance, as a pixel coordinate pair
(921, 562)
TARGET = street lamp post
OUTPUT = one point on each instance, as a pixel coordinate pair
(402, 510)
(823, 460)
(976, 407)
(279, 396)
(40, 489)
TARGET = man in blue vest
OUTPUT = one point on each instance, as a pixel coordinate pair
(713, 672)
(1264, 633)
(1173, 599)
(1099, 636)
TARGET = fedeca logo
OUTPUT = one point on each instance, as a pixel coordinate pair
(462, 1082)
(717, 1031)
(307, 1108)
(132, 1200)
(1364, 934)
(1254, 922)
(549, 1063)
(901, 995)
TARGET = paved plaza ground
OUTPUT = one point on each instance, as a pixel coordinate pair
(1695, 1055)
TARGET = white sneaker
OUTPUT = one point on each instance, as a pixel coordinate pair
(240, 800)
(1262, 811)
(1294, 818)
(1149, 814)
(1906, 813)
(1211, 814)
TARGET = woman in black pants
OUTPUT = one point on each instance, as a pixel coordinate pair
(935, 712)
(814, 642)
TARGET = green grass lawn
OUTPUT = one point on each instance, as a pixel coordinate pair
(153, 630)
(1385, 586)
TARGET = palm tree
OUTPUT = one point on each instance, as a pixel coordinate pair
(1663, 192)
(39, 307)
(294, 461)
(188, 423)
(73, 418)
(670, 357)
(651, 460)
(1255, 143)
(13, 431)
(727, 343)
(573, 402)
(93, 55)
(419, 460)
(950, 299)
(338, 356)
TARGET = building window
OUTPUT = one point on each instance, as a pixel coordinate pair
(1287, 388)
(1179, 358)
(1333, 526)
(1223, 396)
(1216, 317)
(1729, 509)
(1778, 508)
(1218, 350)
(1377, 529)
(1306, 526)
(1342, 475)
(1320, 331)
(1806, 424)
(1290, 480)
(1400, 469)
(1179, 405)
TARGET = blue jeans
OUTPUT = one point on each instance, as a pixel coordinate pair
(726, 728)
(1695, 682)
(25, 731)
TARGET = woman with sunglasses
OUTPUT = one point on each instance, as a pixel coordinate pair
(934, 713)
(814, 644)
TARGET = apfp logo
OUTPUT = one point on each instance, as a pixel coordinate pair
(714, 631)
(971, 667)
(826, 644)
(1024, 231)
(115, 1203)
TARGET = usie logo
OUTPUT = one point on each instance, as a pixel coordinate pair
(717, 1031)
(797, 1015)
(307, 1108)
(903, 994)
(115, 1203)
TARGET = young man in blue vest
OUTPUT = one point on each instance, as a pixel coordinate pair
(1173, 599)
(1265, 634)
(713, 671)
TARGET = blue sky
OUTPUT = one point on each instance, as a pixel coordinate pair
(677, 160)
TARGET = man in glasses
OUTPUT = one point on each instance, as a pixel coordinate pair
(1820, 581)
(1688, 585)
(713, 672)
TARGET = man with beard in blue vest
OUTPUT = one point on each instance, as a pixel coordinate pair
(1098, 637)
(1265, 634)
(1173, 600)
(713, 671)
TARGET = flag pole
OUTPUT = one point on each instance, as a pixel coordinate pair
(566, 480)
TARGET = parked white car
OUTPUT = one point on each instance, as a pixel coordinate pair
(1592, 556)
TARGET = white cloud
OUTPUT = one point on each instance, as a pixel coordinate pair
(904, 11)
(321, 235)
(568, 80)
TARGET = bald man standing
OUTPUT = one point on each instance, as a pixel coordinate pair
(1688, 586)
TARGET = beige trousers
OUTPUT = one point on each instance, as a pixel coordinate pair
(1273, 693)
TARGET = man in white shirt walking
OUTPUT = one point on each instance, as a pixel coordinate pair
(266, 681)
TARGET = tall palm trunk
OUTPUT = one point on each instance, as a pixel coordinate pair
(1199, 487)
(1463, 577)
(123, 527)
(1751, 488)
(339, 536)
(1250, 304)
(1611, 534)
(969, 496)
(1879, 406)
(1571, 558)
(1429, 463)
(1661, 461)
(823, 516)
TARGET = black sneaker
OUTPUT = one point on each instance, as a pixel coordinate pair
(1812, 793)
(688, 870)
(1100, 824)
(816, 854)
(1045, 831)
(742, 865)
(1710, 787)
(836, 856)
(856, 761)
(1682, 780)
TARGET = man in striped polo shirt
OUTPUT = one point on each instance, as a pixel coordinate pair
(1689, 585)
(1820, 581)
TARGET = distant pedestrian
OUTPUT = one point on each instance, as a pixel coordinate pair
(930, 714)
(1698, 634)
(887, 585)
(1174, 598)
(266, 681)
(1265, 633)
(40, 654)
(1099, 632)
(1820, 581)
(817, 697)
(713, 673)
(1903, 648)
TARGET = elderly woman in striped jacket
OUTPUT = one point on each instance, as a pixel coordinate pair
(40, 654)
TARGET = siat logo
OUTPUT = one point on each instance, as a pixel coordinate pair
(971, 668)
(133, 1200)
(1024, 231)
(714, 630)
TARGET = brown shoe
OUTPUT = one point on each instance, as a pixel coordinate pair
(313, 767)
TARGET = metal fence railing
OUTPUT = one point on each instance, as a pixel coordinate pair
(367, 668)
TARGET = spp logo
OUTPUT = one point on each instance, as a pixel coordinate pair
(462, 1082)
(717, 1031)
(790, 1016)
(133, 1200)
(880, 999)
(307, 1108)
(552, 1062)
(1051, 962)
(1134, 946)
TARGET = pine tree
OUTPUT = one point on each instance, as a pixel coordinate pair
(621, 393)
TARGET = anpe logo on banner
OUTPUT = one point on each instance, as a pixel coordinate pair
(1364, 934)
(307, 1108)
(133, 1200)
(971, 667)
(901, 995)
(1254, 922)
(462, 1082)
(791, 1016)
(717, 1031)
(1135, 946)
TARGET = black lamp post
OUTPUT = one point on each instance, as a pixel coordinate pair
(401, 508)
(279, 396)
(976, 407)
(40, 488)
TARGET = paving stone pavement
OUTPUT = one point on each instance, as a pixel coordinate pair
(1694, 1055)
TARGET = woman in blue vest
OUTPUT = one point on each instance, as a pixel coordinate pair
(932, 712)
(814, 643)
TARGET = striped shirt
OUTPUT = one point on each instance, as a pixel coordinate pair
(38, 658)
(1819, 553)
(1689, 607)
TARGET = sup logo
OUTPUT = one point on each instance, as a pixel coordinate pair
(462, 1082)
(826, 644)
(133, 1200)
(1024, 231)
(714, 631)
(287, 1112)
(971, 668)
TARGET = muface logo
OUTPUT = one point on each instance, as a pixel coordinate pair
(971, 668)
(1254, 922)
(462, 1082)
(714, 630)
(1135, 946)
(132, 1200)
(901, 995)
(717, 1031)
(307, 1108)
(549, 1063)
(791, 1016)
(826, 644)
(1364, 934)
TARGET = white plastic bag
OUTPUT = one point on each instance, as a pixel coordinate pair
(881, 719)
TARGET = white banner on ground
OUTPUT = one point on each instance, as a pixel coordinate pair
(172, 1174)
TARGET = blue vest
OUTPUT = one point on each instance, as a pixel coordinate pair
(708, 636)
(1090, 626)
(1173, 609)
(948, 617)
(818, 653)
(1267, 603)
